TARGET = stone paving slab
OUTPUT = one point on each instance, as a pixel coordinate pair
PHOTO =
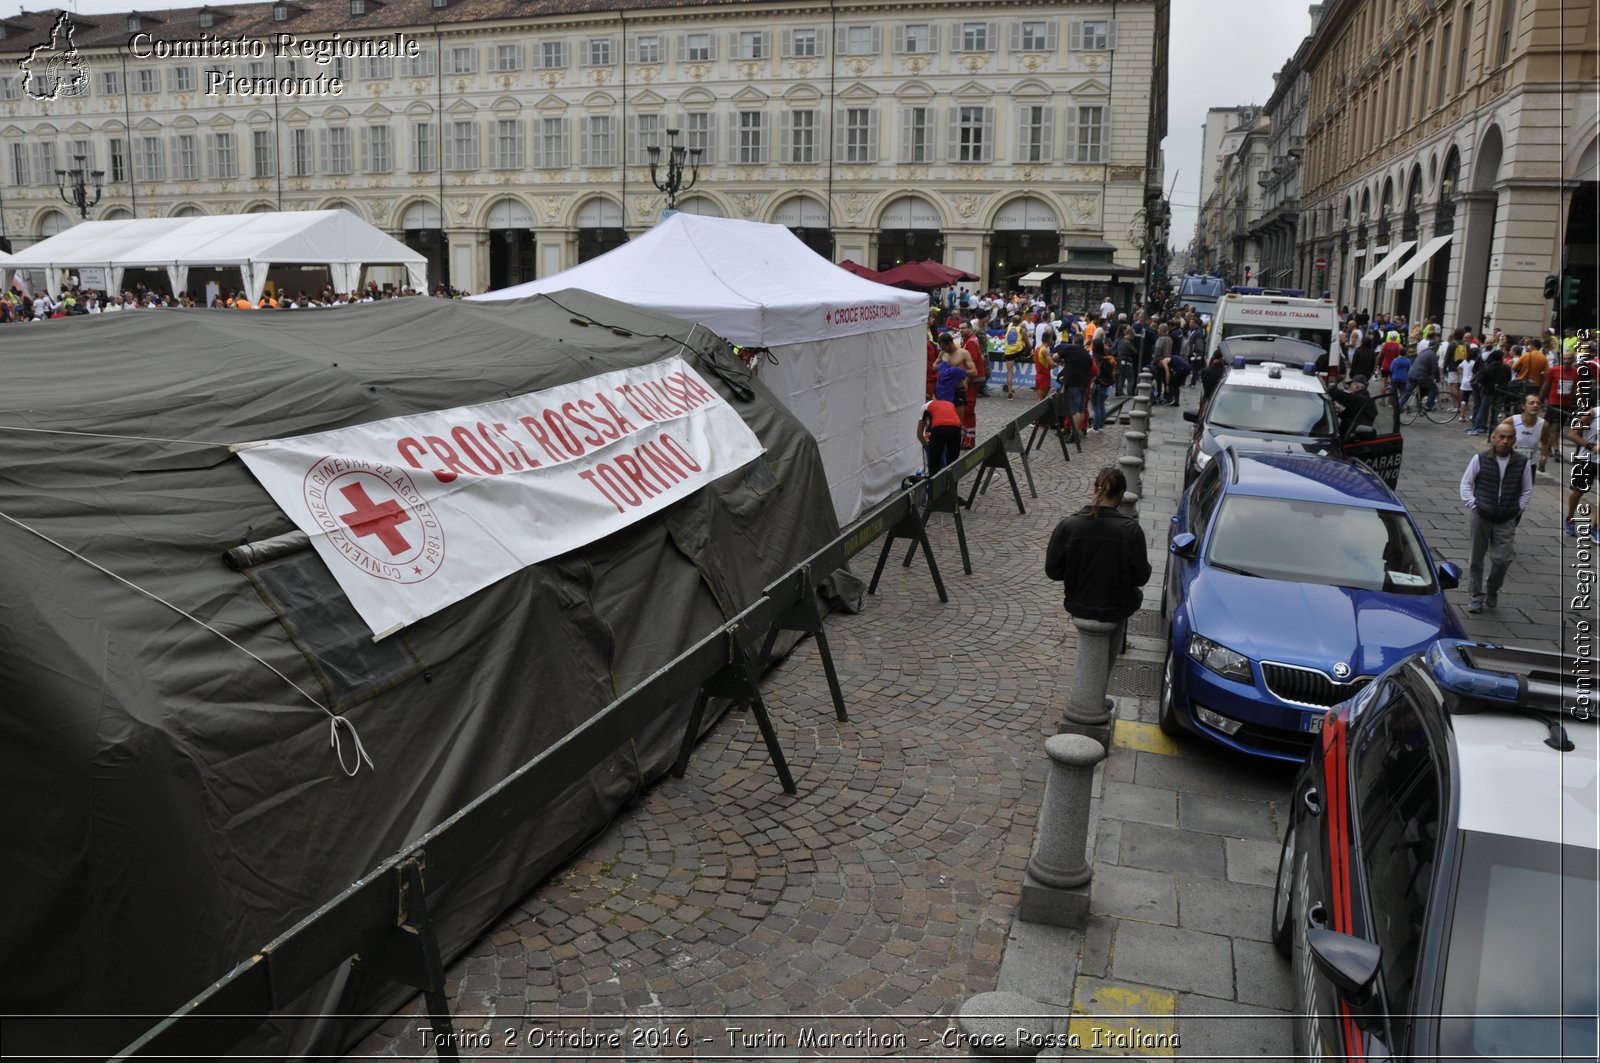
(854, 918)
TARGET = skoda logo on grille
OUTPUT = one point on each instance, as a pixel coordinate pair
(1341, 671)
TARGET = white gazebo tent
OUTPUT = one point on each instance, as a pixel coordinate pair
(850, 354)
(253, 243)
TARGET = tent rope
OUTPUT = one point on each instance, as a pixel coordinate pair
(111, 435)
(335, 722)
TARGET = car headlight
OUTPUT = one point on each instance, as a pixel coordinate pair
(1220, 659)
(1201, 458)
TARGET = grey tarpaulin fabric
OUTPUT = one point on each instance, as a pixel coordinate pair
(172, 803)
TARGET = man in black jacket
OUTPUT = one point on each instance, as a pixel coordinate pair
(1099, 555)
(1496, 488)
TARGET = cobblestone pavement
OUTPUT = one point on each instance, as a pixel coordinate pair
(870, 906)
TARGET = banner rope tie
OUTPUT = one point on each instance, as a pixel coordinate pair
(335, 721)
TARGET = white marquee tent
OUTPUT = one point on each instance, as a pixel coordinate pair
(253, 243)
(850, 354)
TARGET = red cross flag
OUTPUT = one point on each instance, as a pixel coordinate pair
(416, 512)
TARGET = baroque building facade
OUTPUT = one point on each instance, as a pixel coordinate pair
(1450, 158)
(509, 138)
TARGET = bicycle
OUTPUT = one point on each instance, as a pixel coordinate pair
(1443, 410)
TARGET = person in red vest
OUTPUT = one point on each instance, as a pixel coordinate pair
(975, 382)
(940, 432)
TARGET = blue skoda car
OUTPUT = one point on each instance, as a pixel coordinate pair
(1292, 580)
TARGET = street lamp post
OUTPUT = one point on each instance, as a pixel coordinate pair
(676, 154)
(74, 188)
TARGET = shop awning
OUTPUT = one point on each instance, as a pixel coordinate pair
(1037, 277)
(1384, 266)
(1428, 250)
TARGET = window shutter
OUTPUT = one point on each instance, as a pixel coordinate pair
(633, 152)
(1020, 151)
(872, 134)
(733, 44)
(822, 42)
(1016, 36)
(211, 155)
(683, 47)
(933, 37)
(563, 142)
(841, 140)
(631, 48)
(711, 46)
(1047, 136)
(952, 148)
(785, 125)
(877, 40)
(1111, 34)
(1050, 36)
(989, 39)
(733, 137)
(786, 43)
(1075, 34)
(907, 125)
(766, 44)
(323, 138)
(1072, 133)
(1105, 133)
(583, 142)
(899, 40)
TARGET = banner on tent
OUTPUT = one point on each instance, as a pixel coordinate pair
(413, 513)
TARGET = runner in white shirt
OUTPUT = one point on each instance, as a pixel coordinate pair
(1530, 428)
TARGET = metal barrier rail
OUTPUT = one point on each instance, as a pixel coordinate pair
(382, 920)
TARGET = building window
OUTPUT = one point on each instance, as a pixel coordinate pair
(1508, 19)
(970, 139)
(859, 135)
(256, 69)
(301, 156)
(916, 39)
(263, 153)
(646, 133)
(461, 61)
(1034, 128)
(752, 146)
(1427, 64)
(801, 44)
(375, 149)
(552, 55)
(1444, 63)
(358, 7)
(975, 37)
(1466, 39)
(461, 148)
(375, 68)
(224, 159)
(119, 160)
(422, 65)
(181, 78)
(916, 134)
(147, 165)
(800, 144)
(9, 89)
(280, 13)
(424, 147)
(599, 145)
(341, 69)
(1093, 35)
(647, 49)
(207, 20)
(551, 150)
(696, 48)
(83, 149)
(1034, 37)
(698, 129)
(597, 52)
(507, 58)
(507, 152)
(1089, 130)
(147, 80)
(110, 83)
(862, 40)
(185, 161)
(19, 164)
(752, 44)
(336, 153)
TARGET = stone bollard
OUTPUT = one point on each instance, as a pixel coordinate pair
(1133, 443)
(1133, 469)
(1088, 710)
(1003, 1025)
(1129, 506)
(1141, 420)
(1055, 890)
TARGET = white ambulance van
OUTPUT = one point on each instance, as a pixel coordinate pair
(1271, 313)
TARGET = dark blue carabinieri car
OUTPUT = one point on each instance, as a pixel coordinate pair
(1292, 580)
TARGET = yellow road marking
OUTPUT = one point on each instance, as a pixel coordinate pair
(1120, 1019)
(1146, 737)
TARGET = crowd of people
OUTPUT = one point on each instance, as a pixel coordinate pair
(21, 305)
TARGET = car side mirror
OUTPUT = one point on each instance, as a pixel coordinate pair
(1363, 432)
(1183, 545)
(1449, 575)
(1350, 963)
(1191, 416)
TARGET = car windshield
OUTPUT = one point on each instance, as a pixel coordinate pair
(1519, 976)
(1320, 542)
(1320, 337)
(1277, 410)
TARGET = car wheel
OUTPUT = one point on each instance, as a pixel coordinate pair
(1166, 714)
(1283, 899)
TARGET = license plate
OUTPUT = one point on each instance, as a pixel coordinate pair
(1312, 724)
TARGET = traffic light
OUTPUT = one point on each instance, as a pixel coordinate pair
(1569, 293)
(1552, 284)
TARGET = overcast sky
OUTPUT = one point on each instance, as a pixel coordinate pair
(1224, 53)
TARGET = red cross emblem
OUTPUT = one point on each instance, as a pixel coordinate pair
(380, 519)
